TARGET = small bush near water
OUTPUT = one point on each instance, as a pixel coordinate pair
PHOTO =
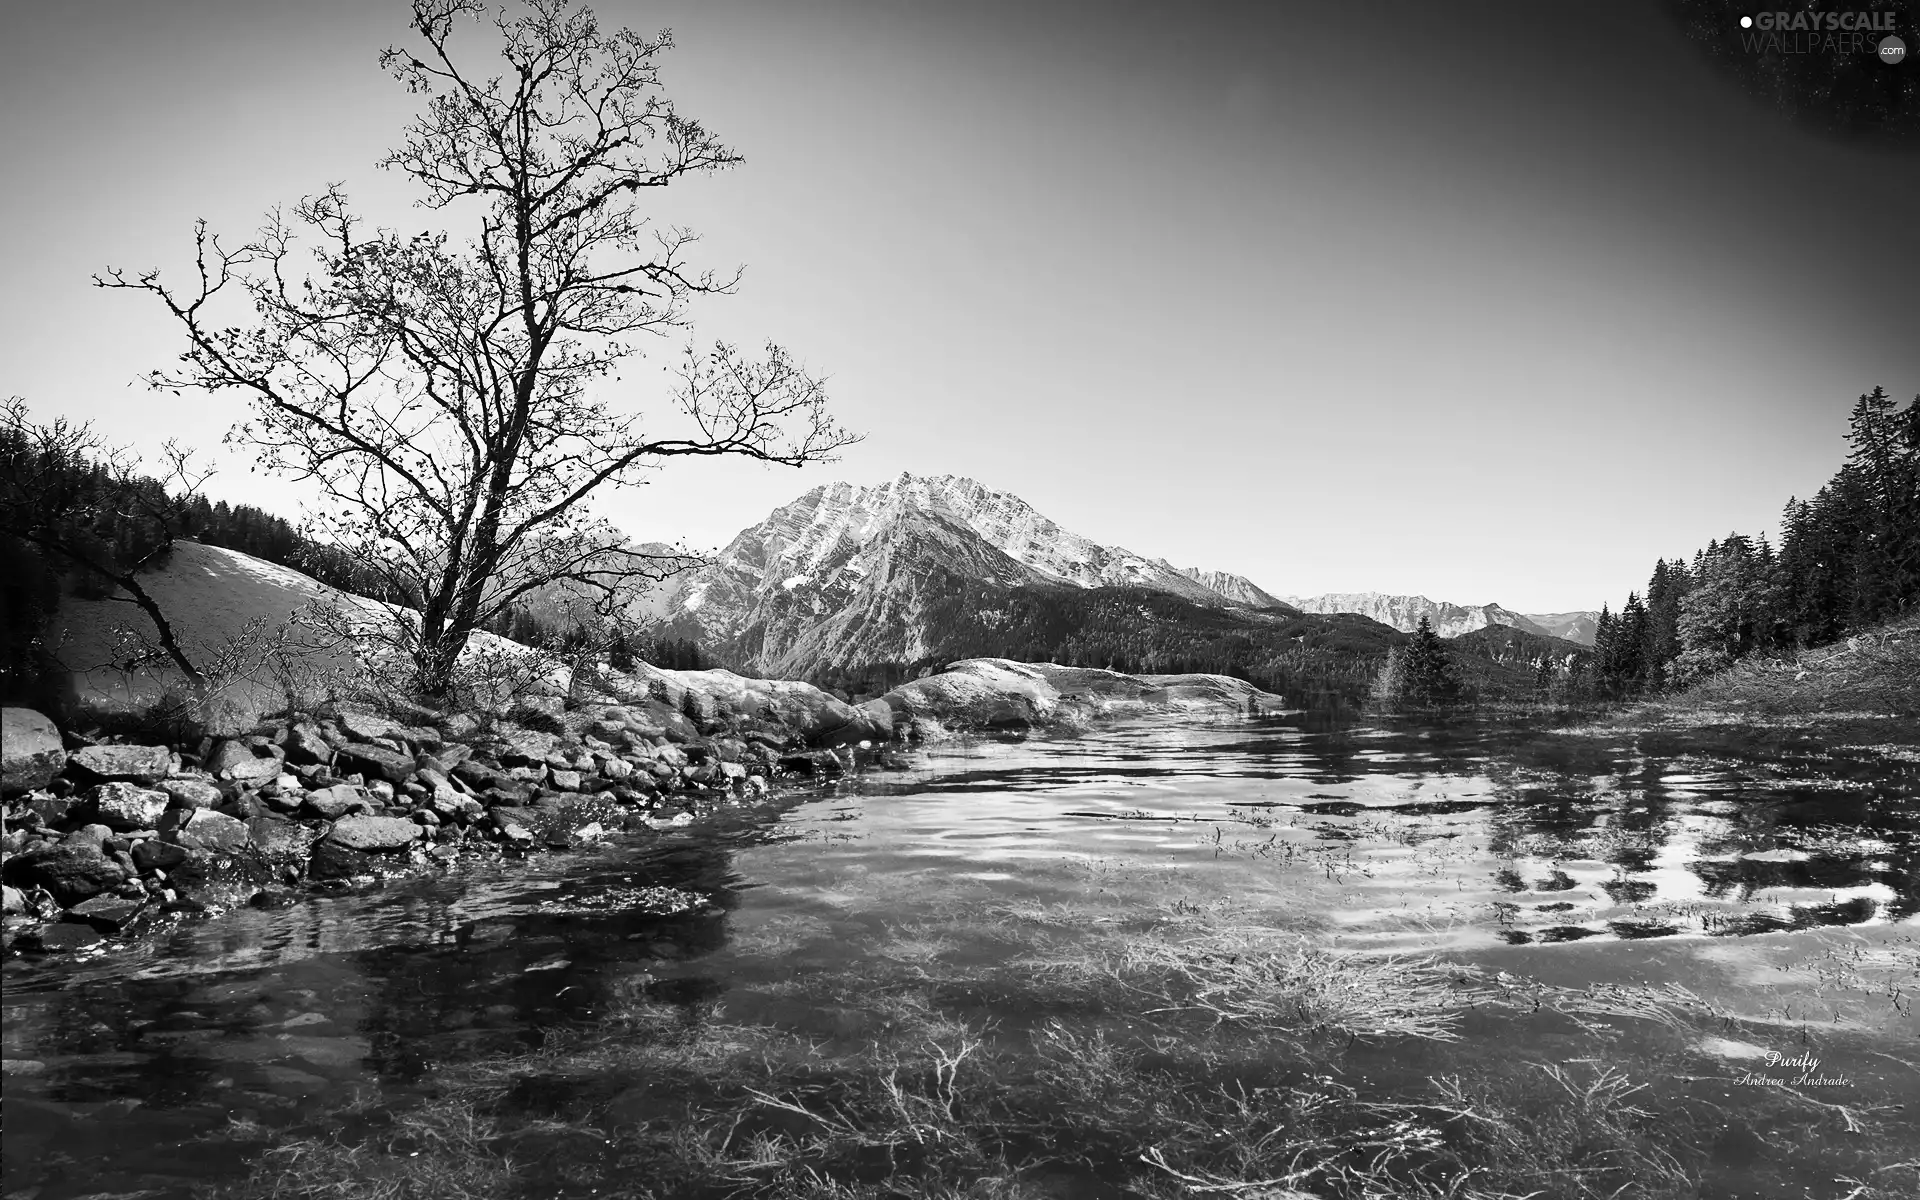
(1190, 1057)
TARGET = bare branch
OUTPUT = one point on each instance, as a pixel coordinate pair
(448, 398)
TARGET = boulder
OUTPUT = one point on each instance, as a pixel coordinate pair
(108, 914)
(51, 809)
(615, 768)
(95, 834)
(570, 758)
(508, 819)
(369, 834)
(510, 794)
(331, 860)
(566, 781)
(282, 843)
(451, 806)
(334, 802)
(31, 753)
(305, 745)
(375, 762)
(812, 763)
(190, 793)
(155, 855)
(479, 776)
(520, 746)
(72, 871)
(124, 806)
(994, 693)
(204, 830)
(63, 936)
(242, 763)
(121, 764)
(879, 717)
(363, 725)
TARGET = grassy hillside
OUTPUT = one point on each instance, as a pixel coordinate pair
(223, 605)
(1874, 675)
(215, 599)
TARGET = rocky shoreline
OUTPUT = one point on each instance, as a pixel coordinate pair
(102, 838)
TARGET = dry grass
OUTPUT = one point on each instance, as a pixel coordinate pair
(1181, 1054)
(1866, 689)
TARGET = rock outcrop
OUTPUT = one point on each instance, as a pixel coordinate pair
(997, 693)
(1237, 589)
(31, 753)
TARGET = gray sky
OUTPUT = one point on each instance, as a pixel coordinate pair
(1486, 302)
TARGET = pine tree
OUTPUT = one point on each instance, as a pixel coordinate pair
(1430, 678)
(1390, 685)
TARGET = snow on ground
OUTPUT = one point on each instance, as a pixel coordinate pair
(210, 595)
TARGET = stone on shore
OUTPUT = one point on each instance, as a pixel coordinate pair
(155, 855)
(283, 843)
(122, 764)
(369, 834)
(375, 762)
(71, 871)
(998, 693)
(30, 751)
(191, 793)
(363, 726)
(332, 803)
(241, 763)
(108, 914)
(205, 830)
(122, 806)
(63, 936)
(307, 746)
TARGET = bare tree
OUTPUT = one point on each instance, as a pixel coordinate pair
(447, 398)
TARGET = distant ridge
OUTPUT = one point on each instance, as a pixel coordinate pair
(1237, 588)
(1575, 627)
(1448, 620)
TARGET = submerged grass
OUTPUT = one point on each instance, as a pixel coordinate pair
(1195, 1056)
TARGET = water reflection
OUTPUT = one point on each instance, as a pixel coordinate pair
(146, 1070)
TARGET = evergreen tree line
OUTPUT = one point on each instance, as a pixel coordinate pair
(1848, 559)
(1420, 674)
(1312, 659)
(54, 492)
(623, 647)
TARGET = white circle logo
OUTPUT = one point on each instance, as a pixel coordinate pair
(1892, 50)
(1746, 22)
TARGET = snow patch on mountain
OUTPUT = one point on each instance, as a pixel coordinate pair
(838, 575)
(1404, 612)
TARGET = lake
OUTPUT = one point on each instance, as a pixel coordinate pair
(1285, 956)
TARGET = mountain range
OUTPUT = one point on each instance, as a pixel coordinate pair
(846, 576)
(1449, 620)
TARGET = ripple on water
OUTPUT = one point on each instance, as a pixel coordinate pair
(1486, 845)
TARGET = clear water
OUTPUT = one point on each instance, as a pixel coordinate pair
(1782, 892)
